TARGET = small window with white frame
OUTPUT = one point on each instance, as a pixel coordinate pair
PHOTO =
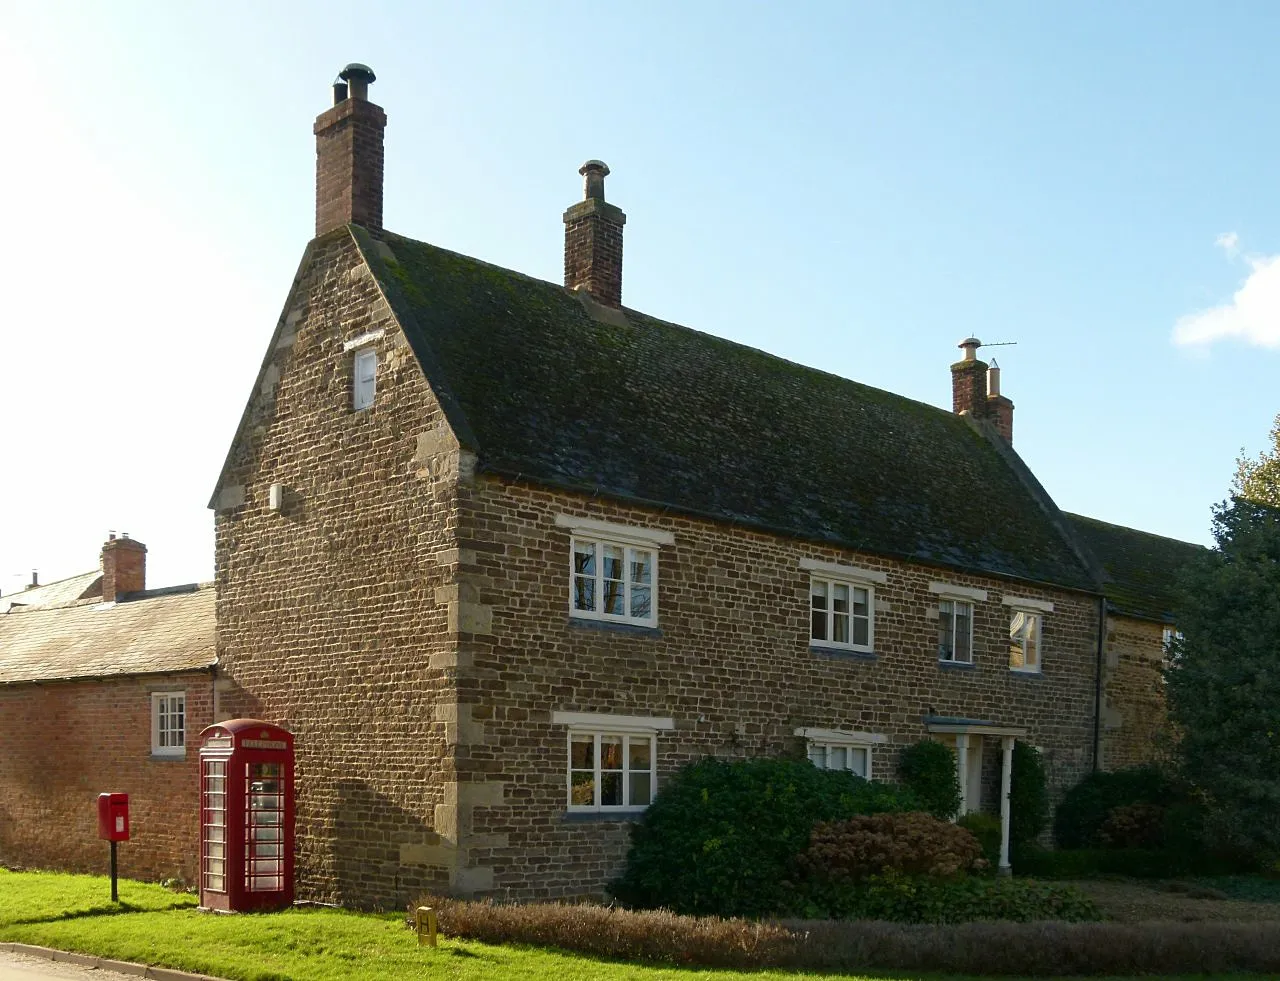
(613, 570)
(841, 613)
(364, 376)
(1168, 653)
(955, 630)
(168, 723)
(1024, 640)
(612, 761)
(614, 581)
(830, 749)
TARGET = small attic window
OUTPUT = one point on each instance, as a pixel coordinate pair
(363, 378)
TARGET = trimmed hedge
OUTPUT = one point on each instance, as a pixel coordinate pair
(1028, 795)
(720, 836)
(1047, 949)
(928, 770)
(928, 899)
(1136, 863)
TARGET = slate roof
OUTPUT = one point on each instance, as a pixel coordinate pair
(161, 631)
(1141, 569)
(545, 386)
(55, 593)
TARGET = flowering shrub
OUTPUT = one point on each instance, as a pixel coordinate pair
(914, 843)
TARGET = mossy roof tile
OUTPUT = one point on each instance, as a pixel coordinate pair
(1141, 568)
(649, 411)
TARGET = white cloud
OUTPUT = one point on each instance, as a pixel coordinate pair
(1253, 315)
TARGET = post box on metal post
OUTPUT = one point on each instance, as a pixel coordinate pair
(113, 825)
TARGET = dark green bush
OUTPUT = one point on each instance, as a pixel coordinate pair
(928, 770)
(1028, 795)
(1136, 863)
(986, 828)
(1086, 806)
(720, 837)
(926, 899)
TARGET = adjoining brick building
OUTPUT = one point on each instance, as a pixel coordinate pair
(101, 679)
(504, 553)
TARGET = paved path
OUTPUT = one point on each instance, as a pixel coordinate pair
(17, 967)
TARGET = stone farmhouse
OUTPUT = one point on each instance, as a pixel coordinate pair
(503, 554)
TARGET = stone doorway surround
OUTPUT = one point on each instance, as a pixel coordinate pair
(963, 730)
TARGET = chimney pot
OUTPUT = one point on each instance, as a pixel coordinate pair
(593, 172)
(339, 92)
(35, 579)
(970, 347)
(359, 77)
(993, 379)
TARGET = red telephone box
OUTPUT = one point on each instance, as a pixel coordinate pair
(246, 816)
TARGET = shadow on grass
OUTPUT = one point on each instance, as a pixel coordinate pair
(107, 909)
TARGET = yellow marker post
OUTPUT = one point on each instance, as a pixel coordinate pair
(426, 922)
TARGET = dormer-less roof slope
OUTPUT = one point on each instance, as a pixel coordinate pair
(161, 632)
(639, 409)
(1141, 569)
(55, 593)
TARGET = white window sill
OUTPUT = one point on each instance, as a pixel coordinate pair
(645, 627)
(949, 664)
(613, 814)
(1025, 671)
(160, 757)
(822, 645)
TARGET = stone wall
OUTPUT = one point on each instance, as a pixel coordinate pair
(730, 662)
(1135, 727)
(336, 613)
(66, 742)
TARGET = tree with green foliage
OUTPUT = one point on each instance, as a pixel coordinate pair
(1258, 480)
(928, 770)
(1224, 674)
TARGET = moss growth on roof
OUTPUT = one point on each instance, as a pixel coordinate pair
(1141, 569)
(650, 411)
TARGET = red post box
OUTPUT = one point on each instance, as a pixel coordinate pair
(113, 817)
(246, 816)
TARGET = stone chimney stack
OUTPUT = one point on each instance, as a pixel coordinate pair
(999, 408)
(969, 381)
(593, 240)
(349, 155)
(124, 567)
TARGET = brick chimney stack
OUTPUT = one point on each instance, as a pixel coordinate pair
(999, 408)
(969, 381)
(593, 239)
(349, 155)
(124, 567)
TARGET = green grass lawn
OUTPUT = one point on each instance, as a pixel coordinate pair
(156, 926)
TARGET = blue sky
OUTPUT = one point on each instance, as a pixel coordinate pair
(848, 185)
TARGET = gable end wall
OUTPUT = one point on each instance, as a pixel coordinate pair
(336, 614)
